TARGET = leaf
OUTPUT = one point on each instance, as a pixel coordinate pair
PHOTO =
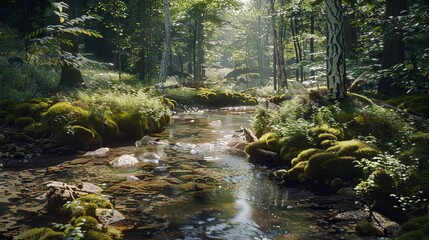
(62, 20)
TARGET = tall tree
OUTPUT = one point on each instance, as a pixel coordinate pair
(166, 52)
(336, 61)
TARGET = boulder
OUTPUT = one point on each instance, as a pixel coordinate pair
(108, 216)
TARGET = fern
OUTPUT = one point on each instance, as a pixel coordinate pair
(47, 41)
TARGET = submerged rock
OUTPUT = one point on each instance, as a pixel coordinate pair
(124, 161)
(101, 152)
(108, 216)
(132, 178)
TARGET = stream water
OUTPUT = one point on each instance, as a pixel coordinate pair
(196, 190)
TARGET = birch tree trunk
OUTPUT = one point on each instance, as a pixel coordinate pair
(336, 61)
(166, 52)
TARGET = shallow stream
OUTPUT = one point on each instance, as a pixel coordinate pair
(196, 190)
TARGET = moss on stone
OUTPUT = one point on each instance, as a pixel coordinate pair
(353, 148)
(297, 172)
(40, 234)
(90, 223)
(22, 122)
(81, 137)
(323, 129)
(315, 167)
(5, 104)
(86, 205)
(70, 112)
(305, 155)
(9, 119)
(364, 228)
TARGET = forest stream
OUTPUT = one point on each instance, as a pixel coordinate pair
(196, 190)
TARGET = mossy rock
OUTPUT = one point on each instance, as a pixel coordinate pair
(415, 104)
(40, 234)
(63, 113)
(421, 139)
(86, 205)
(364, 228)
(130, 125)
(297, 172)
(415, 227)
(212, 98)
(343, 167)
(305, 155)
(82, 137)
(380, 188)
(22, 122)
(315, 167)
(325, 129)
(291, 147)
(28, 109)
(90, 223)
(105, 126)
(353, 148)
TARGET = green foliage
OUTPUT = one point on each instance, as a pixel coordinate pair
(40, 234)
(46, 42)
(25, 82)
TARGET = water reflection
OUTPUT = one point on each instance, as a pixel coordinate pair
(246, 205)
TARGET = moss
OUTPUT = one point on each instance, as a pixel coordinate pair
(97, 235)
(129, 124)
(65, 109)
(40, 234)
(105, 126)
(414, 235)
(212, 98)
(353, 148)
(415, 104)
(22, 122)
(3, 114)
(305, 155)
(89, 222)
(415, 224)
(365, 228)
(315, 167)
(292, 146)
(298, 172)
(323, 129)
(81, 137)
(27, 109)
(342, 167)
(86, 205)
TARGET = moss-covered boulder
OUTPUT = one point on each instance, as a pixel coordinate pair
(417, 104)
(212, 98)
(40, 234)
(22, 122)
(265, 151)
(336, 161)
(86, 205)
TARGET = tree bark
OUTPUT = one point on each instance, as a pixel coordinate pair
(336, 62)
(166, 52)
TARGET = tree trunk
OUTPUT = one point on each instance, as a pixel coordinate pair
(336, 62)
(273, 21)
(71, 76)
(166, 52)
(312, 41)
(393, 50)
(199, 68)
(278, 45)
